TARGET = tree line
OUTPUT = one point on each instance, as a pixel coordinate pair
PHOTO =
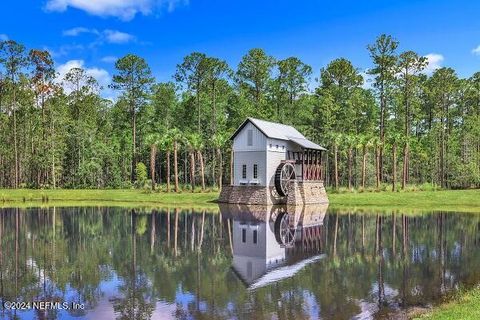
(391, 126)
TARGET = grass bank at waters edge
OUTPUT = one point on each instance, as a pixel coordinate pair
(103, 197)
(448, 200)
(465, 306)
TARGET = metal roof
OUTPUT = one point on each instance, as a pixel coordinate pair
(307, 144)
(280, 131)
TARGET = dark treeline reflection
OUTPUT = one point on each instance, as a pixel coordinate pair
(131, 264)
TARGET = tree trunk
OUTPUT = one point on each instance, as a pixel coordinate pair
(383, 104)
(405, 166)
(134, 143)
(175, 164)
(220, 169)
(52, 136)
(153, 155)
(350, 160)
(394, 160)
(202, 169)
(335, 165)
(377, 167)
(364, 167)
(168, 170)
(192, 170)
(15, 145)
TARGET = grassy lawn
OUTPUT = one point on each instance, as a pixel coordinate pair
(445, 200)
(466, 306)
(450, 200)
(89, 197)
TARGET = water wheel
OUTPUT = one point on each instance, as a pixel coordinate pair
(285, 230)
(284, 176)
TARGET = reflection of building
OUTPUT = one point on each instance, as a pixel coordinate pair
(274, 164)
(271, 243)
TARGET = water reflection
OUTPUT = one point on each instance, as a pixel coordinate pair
(272, 243)
(240, 262)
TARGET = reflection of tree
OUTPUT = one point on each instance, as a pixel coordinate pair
(386, 258)
(136, 301)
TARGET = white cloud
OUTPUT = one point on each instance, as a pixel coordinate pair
(101, 75)
(77, 31)
(476, 51)
(3, 37)
(109, 59)
(122, 9)
(108, 35)
(434, 62)
(115, 36)
(64, 50)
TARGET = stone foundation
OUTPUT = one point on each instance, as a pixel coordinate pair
(307, 192)
(249, 195)
(302, 192)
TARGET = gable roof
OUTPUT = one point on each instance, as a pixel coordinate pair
(279, 131)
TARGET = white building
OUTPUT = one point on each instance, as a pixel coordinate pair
(261, 149)
(271, 244)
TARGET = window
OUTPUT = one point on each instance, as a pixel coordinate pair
(255, 171)
(244, 235)
(255, 236)
(244, 171)
(250, 138)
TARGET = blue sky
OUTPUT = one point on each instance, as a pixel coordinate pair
(91, 33)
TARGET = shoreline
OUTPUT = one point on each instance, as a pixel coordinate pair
(409, 201)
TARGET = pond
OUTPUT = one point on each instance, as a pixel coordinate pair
(235, 262)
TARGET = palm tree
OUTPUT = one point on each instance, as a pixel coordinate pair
(406, 160)
(195, 145)
(377, 143)
(393, 138)
(199, 147)
(349, 141)
(218, 141)
(337, 138)
(365, 143)
(176, 138)
(191, 143)
(166, 143)
(153, 140)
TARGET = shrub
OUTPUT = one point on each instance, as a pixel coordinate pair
(141, 173)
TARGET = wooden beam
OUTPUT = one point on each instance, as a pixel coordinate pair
(303, 165)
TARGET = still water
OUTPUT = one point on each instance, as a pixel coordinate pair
(232, 263)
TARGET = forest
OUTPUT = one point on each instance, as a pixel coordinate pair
(390, 127)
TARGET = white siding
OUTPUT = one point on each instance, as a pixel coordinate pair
(249, 158)
(276, 155)
(252, 260)
(259, 139)
(267, 153)
(273, 160)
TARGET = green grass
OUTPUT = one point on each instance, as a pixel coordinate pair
(107, 197)
(445, 200)
(448, 200)
(465, 306)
